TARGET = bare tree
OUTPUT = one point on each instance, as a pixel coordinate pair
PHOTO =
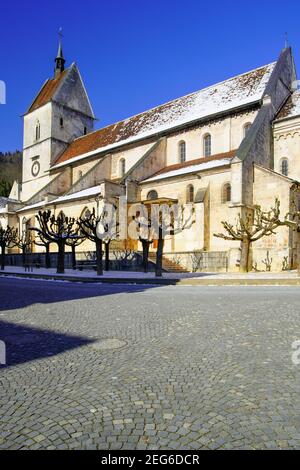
(292, 220)
(24, 242)
(39, 240)
(170, 222)
(57, 230)
(250, 228)
(73, 243)
(145, 236)
(89, 226)
(8, 239)
(268, 262)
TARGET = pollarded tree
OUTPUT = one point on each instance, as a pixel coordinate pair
(167, 219)
(39, 240)
(59, 230)
(73, 243)
(292, 220)
(8, 239)
(108, 230)
(24, 242)
(88, 226)
(250, 228)
(145, 237)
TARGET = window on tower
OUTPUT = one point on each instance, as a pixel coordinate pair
(61, 122)
(37, 131)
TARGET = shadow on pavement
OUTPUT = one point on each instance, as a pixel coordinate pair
(20, 293)
(24, 343)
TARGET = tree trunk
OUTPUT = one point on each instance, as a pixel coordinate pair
(107, 256)
(145, 245)
(23, 255)
(47, 256)
(99, 257)
(159, 254)
(244, 264)
(73, 247)
(61, 258)
(298, 252)
(2, 256)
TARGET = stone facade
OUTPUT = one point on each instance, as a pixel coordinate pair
(167, 150)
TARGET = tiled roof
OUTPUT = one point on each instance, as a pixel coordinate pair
(193, 165)
(240, 90)
(46, 93)
(187, 163)
(291, 108)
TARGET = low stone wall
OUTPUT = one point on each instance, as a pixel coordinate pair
(200, 261)
(132, 263)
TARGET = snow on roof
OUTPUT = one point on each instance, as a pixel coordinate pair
(79, 194)
(6, 200)
(32, 206)
(244, 89)
(68, 197)
(291, 108)
(189, 169)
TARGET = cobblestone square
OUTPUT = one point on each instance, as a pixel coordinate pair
(148, 367)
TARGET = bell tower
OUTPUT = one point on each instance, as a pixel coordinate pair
(60, 113)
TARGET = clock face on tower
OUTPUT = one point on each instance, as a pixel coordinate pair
(35, 169)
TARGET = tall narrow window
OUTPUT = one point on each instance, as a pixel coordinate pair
(122, 167)
(85, 130)
(182, 151)
(226, 193)
(207, 145)
(285, 166)
(190, 193)
(37, 131)
(61, 122)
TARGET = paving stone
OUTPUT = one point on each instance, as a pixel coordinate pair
(201, 368)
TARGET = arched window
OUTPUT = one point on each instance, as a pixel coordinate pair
(37, 131)
(122, 167)
(207, 145)
(247, 128)
(86, 213)
(182, 151)
(226, 193)
(152, 195)
(284, 166)
(190, 193)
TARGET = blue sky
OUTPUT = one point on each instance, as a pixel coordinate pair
(134, 55)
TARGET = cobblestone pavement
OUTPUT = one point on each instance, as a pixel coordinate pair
(198, 367)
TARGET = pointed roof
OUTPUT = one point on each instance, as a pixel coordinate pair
(60, 51)
(242, 90)
(47, 91)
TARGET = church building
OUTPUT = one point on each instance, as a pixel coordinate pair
(225, 148)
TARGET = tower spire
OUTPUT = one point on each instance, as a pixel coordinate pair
(286, 40)
(59, 60)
